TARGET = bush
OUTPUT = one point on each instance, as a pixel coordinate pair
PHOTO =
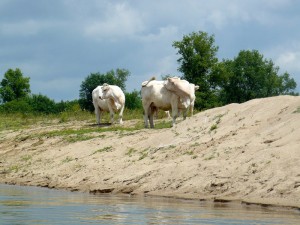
(133, 100)
(19, 105)
(40, 104)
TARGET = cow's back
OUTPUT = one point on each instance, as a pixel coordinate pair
(156, 94)
(118, 93)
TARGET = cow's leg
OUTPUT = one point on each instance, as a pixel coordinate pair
(174, 116)
(111, 113)
(184, 113)
(97, 113)
(146, 119)
(152, 110)
(112, 117)
(174, 110)
(146, 108)
(121, 114)
(192, 109)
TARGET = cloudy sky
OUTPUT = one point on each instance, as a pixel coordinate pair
(58, 43)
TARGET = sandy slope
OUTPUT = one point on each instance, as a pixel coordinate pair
(248, 152)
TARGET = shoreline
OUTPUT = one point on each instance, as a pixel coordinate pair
(212, 201)
(240, 152)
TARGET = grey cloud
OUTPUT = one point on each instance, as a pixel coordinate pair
(59, 43)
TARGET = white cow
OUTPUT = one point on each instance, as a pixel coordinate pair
(156, 96)
(108, 98)
(184, 89)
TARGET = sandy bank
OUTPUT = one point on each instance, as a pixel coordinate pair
(245, 152)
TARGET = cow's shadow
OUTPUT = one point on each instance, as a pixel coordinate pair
(100, 125)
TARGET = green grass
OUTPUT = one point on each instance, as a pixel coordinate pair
(131, 114)
(297, 110)
(14, 168)
(162, 124)
(143, 155)
(105, 149)
(67, 159)
(195, 144)
(82, 134)
(26, 158)
(189, 153)
(17, 121)
(213, 127)
(75, 138)
(130, 152)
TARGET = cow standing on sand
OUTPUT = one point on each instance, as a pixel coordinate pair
(108, 98)
(184, 89)
(156, 96)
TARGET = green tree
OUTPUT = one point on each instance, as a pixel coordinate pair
(250, 76)
(198, 57)
(133, 100)
(118, 77)
(42, 104)
(14, 86)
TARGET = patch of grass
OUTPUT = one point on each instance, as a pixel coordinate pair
(74, 135)
(297, 110)
(213, 155)
(67, 159)
(144, 154)
(26, 158)
(124, 133)
(14, 168)
(17, 121)
(171, 147)
(163, 124)
(78, 167)
(105, 149)
(189, 152)
(75, 138)
(218, 118)
(195, 144)
(130, 114)
(65, 132)
(209, 157)
(213, 127)
(130, 152)
(63, 117)
(39, 142)
(23, 138)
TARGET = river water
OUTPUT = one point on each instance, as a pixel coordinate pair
(33, 205)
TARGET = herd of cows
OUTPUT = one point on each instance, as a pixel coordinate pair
(172, 94)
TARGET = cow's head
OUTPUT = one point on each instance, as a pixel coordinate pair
(106, 91)
(171, 82)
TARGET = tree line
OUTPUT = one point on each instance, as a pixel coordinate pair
(249, 75)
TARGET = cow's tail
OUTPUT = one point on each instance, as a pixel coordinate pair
(145, 83)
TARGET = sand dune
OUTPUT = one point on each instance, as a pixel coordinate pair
(246, 152)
